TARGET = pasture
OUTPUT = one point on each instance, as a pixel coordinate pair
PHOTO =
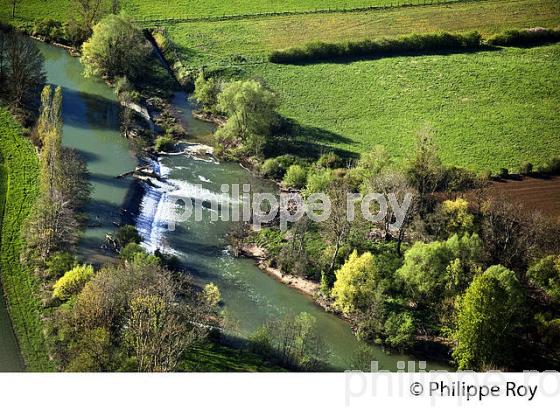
(18, 188)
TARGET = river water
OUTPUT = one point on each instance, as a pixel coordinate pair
(250, 296)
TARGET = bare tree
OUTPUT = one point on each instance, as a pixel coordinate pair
(21, 66)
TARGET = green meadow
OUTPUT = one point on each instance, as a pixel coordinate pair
(18, 186)
(487, 110)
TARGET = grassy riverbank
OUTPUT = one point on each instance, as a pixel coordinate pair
(18, 189)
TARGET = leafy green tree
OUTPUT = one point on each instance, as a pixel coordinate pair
(117, 48)
(129, 251)
(295, 177)
(72, 282)
(489, 315)
(251, 111)
(545, 274)
(425, 272)
(400, 332)
(452, 217)
(206, 92)
(318, 180)
(356, 282)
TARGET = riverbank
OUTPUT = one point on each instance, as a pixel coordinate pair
(302, 285)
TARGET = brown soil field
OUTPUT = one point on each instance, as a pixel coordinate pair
(539, 194)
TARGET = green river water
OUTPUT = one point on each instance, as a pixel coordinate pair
(250, 296)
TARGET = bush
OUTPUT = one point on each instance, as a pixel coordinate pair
(525, 38)
(271, 168)
(295, 177)
(127, 234)
(130, 251)
(72, 282)
(414, 43)
(329, 160)
(400, 331)
(59, 263)
(504, 173)
(526, 168)
(164, 144)
(49, 29)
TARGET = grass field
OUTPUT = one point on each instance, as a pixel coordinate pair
(162, 9)
(17, 192)
(488, 110)
(218, 42)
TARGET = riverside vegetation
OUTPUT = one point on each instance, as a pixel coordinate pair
(425, 287)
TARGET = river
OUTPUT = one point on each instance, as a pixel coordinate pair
(250, 296)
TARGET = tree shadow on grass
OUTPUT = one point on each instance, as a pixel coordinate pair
(305, 141)
(379, 56)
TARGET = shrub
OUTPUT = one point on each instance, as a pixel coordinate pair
(400, 331)
(329, 160)
(164, 144)
(525, 38)
(130, 251)
(526, 168)
(127, 234)
(59, 263)
(504, 172)
(414, 43)
(271, 168)
(49, 29)
(295, 177)
(72, 282)
(211, 294)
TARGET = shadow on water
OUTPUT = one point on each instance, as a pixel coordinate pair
(85, 110)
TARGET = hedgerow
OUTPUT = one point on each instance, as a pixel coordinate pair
(441, 42)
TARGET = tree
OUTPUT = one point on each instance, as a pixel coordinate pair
(72, 282)
(117, 48)
(513, 236)
(206, 92)
(400, 332)
(150, 315)
(545, 274)
(391, 182)
(425, 171)
(356, 282)
(452, 217)
(89, 12)
(488, 317)
(336, 229)
(251, 111)
(52, 225)
(127, 234)
(426, 274)
(21, 68)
